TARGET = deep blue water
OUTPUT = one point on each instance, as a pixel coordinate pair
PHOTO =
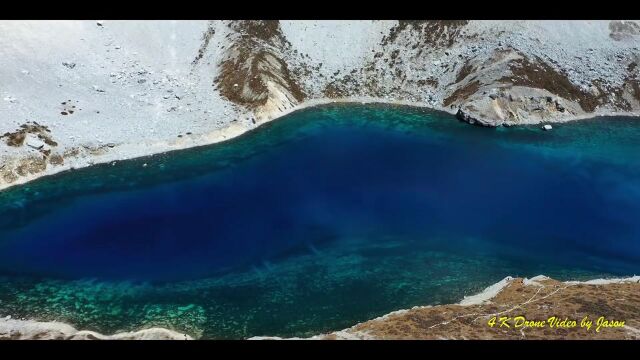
(326, 217)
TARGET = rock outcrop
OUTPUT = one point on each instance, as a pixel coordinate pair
(13, 329)
(253, 74)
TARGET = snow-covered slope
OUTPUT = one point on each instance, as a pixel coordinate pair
(74, 93)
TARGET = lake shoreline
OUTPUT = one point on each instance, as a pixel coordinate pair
(535, 308)
(133, 150)
(23, 329)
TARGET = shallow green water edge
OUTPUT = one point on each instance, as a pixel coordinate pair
(286, 298)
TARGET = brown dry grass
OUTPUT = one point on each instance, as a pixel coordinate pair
(618, 302)
(17, 138)
(432, 32)
(538, 74)
(462, 93)
(249, 65)
(465, 70)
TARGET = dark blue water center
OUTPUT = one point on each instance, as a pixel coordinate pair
(328, 178)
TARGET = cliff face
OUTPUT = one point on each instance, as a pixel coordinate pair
(108, 90)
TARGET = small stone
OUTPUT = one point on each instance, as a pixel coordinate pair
(547, 127)
(97, 88)
(493, 96)
(69, 65)
(35, 143)
(144, 165)
(99, 23)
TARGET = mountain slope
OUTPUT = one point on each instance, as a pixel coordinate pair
(82, 92)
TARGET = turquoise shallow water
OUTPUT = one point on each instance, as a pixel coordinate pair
(324, 218)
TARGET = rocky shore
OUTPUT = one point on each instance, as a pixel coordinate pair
(11, 329)
(77, 93)
(516, 308)
(536, 308)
